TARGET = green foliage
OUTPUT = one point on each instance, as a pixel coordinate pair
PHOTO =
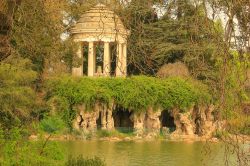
(134, 93)
(220, 134)
(16, 95)
(182, 32)
(239, 125)
(52, 124)
(65, 113)
(186, 36)
(104, 133)
(120, 133)
(15, 149)
(237, 77)
(37, 27)
(136, 16)
(235, 80)
(80, 161)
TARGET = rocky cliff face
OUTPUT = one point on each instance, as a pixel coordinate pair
(197, 122)
(138, 119)
(152, 120)
(183, 122)
(85, 120)
(147, 122)
(105, 115)
(88, 120)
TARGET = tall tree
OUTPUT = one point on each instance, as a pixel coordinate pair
(7, 9)
(136, 15)
(37, 33)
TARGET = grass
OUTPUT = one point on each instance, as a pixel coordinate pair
(81, 161)
(113, 133)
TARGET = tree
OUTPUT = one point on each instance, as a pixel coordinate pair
(136, 16)
(7, 9)
(17, 98)
(37, 31)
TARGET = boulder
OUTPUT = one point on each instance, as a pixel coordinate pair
(198, 121)
(138, 121)
(173, 69)
(152, 120)
(105, 115)
(204, 120)
(85, 120)
(183, 122)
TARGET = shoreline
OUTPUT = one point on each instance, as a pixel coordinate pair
(245, 139)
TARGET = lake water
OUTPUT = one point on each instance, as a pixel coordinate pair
(154, 153)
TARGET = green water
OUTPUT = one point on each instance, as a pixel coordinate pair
(155, 153)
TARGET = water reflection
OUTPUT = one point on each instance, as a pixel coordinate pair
(155, 153)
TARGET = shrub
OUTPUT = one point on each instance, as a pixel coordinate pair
(15, 149)
(104, 133)
(240, 125)
(16, 95)
(173, 69)
(52, 125)
(133, 93)
(80, 161)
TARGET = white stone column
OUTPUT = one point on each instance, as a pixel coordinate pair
(124, 61)
(119, 60)
(106, 61)
(78, 71)
(91, 59)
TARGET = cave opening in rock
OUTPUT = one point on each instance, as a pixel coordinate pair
(99, 121)
(122, 121)
(167, 121)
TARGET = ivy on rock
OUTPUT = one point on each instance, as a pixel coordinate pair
(136, 93)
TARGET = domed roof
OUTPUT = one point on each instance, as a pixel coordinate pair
(99, 23)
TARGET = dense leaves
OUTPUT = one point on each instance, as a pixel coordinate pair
(16, 150)
(52, 124)
(135, 93)
(16, 95)
(185, 31)
(37, 30)
(80, 161)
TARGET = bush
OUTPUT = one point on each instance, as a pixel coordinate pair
(104, 133)
(134, 93)
(173, 69)
(80, 161)
(16, 95)
(15, 149)
(220, 134)
(52, 125)
(240, 124)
